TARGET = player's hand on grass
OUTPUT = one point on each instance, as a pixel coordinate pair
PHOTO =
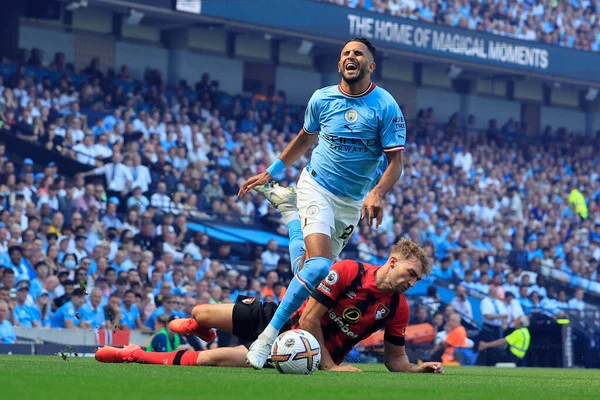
(372, 208)
(256, 180)
(343, 368)
(432, 367)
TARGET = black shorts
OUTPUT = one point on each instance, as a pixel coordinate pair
(251, 317)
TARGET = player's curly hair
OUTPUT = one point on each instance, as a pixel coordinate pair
(409, 249)
(366, 42)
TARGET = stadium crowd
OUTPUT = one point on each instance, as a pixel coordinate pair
(567, 23)
(81, 251)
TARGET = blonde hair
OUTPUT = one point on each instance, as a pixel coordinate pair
(407, 249)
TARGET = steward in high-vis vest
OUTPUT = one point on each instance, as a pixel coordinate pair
(164, 340)
(511, 348)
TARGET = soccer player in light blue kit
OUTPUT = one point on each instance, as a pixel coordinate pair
(355, 123)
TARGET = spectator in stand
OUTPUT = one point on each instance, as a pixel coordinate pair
(461, 303)
(160, 200)
(70, 314)
(270, 257)
(455, 336)
(130, 315)
(577, 303)
(113, 315)
(495, 316)
(7, 332)
(25, 315)
(443, 270)
(513, 308)
(18, 264)
(85, 151)
(92, 311)
(509, 285)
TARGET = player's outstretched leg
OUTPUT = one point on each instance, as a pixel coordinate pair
(284, 200)
(221, 357)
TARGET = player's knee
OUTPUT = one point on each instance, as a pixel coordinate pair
(200, 313)
(315, 270)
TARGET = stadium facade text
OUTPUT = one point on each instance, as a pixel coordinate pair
(447, 42)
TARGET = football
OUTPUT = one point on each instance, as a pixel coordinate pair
(296, 352)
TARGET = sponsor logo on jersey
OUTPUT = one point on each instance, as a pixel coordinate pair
(352, 314)
(356, 145)
(332, 278)
(351, 115)
(299, 297)
(344, 327)
(324, 288)
(248, 301)
(381, 312)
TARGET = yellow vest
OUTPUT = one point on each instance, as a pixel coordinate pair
(578, 199)
(519, 342)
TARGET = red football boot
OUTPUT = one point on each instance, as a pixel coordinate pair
(109, 354)
(189, 326)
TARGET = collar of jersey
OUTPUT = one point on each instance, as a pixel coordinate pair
(366, 92)
(371, 285)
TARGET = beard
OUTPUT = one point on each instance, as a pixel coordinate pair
(354, 79)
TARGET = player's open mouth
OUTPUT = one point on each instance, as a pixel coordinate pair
(351, 66)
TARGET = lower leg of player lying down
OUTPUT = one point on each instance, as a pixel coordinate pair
(205, 318)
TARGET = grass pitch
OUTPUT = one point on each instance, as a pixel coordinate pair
(37, 377)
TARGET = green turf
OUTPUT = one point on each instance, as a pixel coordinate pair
(28, 377)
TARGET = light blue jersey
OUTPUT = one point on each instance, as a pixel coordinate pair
(128, 317)
(7, 333)
(66, 312)
(354, 133)
(94, 316)
(26, 315)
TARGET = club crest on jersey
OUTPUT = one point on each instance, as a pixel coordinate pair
(248, 301)
(381, 312)
(351, 115)
(332, 278)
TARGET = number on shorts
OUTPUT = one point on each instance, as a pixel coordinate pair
(347, 232)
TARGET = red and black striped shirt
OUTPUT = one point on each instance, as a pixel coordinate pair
(356, 309)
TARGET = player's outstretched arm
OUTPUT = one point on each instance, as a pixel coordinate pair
(372, 204)
(396, 360)
(298, 146)
(311, 322)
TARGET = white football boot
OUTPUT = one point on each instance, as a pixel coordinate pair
(258, 353)
(282, 198)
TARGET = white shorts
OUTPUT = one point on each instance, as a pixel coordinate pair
(323, 212)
